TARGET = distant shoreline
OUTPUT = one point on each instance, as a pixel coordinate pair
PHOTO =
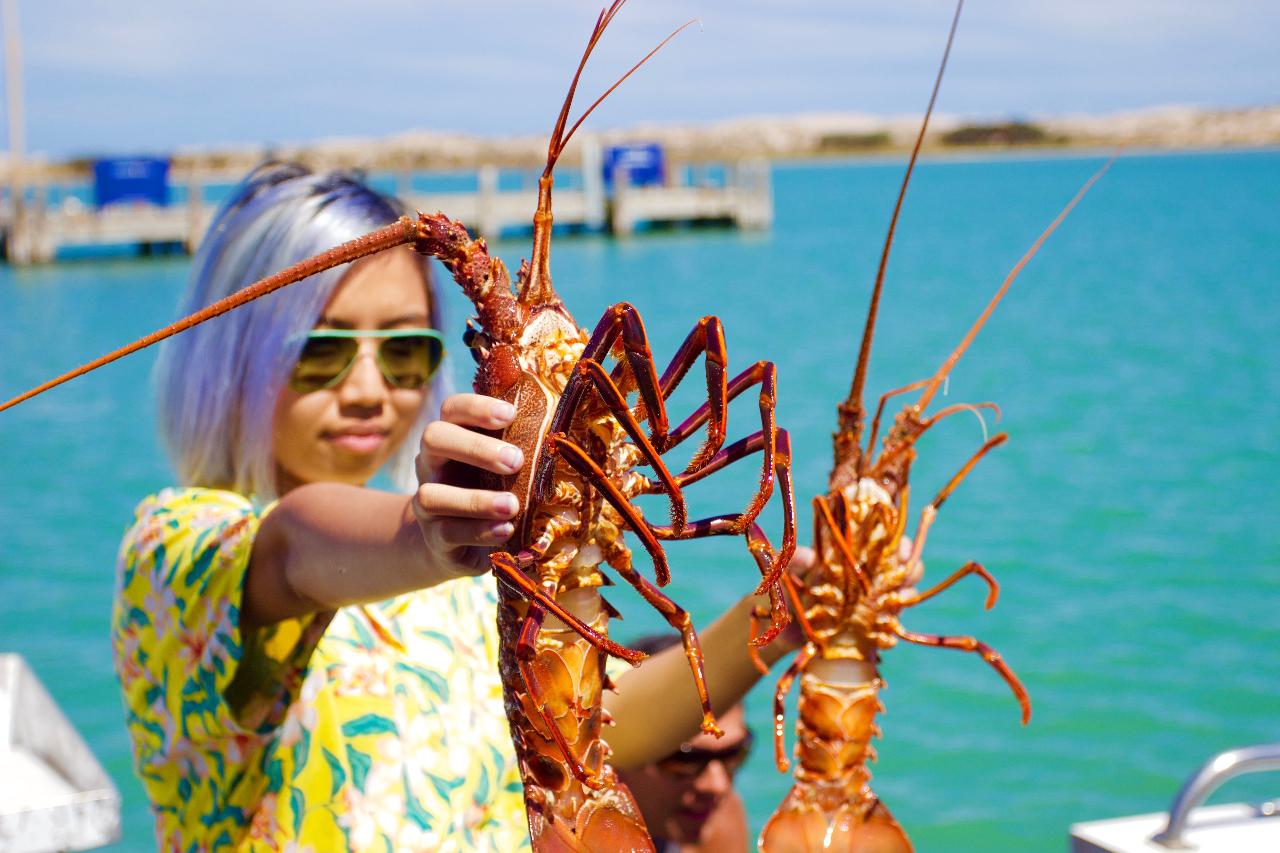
(1017, 153)
(816, 136)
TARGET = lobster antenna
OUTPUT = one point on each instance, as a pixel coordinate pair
(537, 290)
(623, 78)
(945, 370)
(558, 138)
(851, 412)
(398, 233)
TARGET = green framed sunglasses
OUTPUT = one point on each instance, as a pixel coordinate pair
(407, 358)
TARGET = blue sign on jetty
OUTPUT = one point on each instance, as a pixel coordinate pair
(643, 163)
(131, 179)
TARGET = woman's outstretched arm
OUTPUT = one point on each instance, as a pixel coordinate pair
(327, 545)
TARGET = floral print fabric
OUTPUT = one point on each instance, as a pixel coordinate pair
(372, 728)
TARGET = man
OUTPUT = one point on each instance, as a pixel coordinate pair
(687, 798)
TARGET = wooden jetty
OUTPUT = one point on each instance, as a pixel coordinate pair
(38, 230)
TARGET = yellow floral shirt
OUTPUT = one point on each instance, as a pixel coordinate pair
(372, 728)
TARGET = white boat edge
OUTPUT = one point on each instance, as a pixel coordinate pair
(1189, 825)
(67, 801)
(1228, 828)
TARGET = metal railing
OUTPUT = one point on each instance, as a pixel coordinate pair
(1211, 775)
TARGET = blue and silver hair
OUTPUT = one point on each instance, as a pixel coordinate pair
(217, 384)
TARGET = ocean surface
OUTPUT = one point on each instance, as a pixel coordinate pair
(1137, 364)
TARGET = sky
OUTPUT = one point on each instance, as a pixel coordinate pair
(146, 76)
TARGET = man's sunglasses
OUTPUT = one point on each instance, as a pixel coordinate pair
(688, 762)
(408, 358)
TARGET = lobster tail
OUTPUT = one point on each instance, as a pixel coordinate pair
(831, 805)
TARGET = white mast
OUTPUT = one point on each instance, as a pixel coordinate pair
(17, 122)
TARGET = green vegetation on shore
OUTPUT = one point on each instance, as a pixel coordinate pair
(1003, 134)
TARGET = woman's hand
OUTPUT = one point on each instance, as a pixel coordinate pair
(461, 525)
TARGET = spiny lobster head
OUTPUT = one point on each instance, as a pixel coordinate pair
(891, 467)
(866, 501)
(508, 323)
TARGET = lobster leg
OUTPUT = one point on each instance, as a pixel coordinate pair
(675, 616)
(945, 491)
(776, 462)
(706, 411)
(617, 404)
(505, 567)
(706, 338)
(823, 513)
(623, 322)
(736, 523)
(764, 373)
(930, 512)
(971, 644)
(526, 657)
(740, 449)
(783, 558)
(780, 702)
(619, 321)
(790, 586)
(559, 446)
(773, 442)
(678, 618)
(732, 524)
(761, 549)
(967, 569)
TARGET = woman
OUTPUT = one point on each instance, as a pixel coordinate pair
(308, 663)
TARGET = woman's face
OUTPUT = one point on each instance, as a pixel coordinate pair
(346, 432)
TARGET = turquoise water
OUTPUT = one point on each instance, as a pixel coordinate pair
(1136, 362)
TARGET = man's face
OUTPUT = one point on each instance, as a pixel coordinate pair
(678, 794)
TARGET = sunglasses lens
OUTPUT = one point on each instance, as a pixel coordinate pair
(690, 764)
(321, 362)
(410, 361)
(683, 768)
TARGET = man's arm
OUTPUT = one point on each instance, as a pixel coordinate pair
(639, 736)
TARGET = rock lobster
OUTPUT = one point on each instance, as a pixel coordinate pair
(574, 421)
(584, 441)
(848, 604)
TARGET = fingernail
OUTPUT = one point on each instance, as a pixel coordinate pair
(511, 457)
(506, 504)
(503, 412)
(502, 532)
